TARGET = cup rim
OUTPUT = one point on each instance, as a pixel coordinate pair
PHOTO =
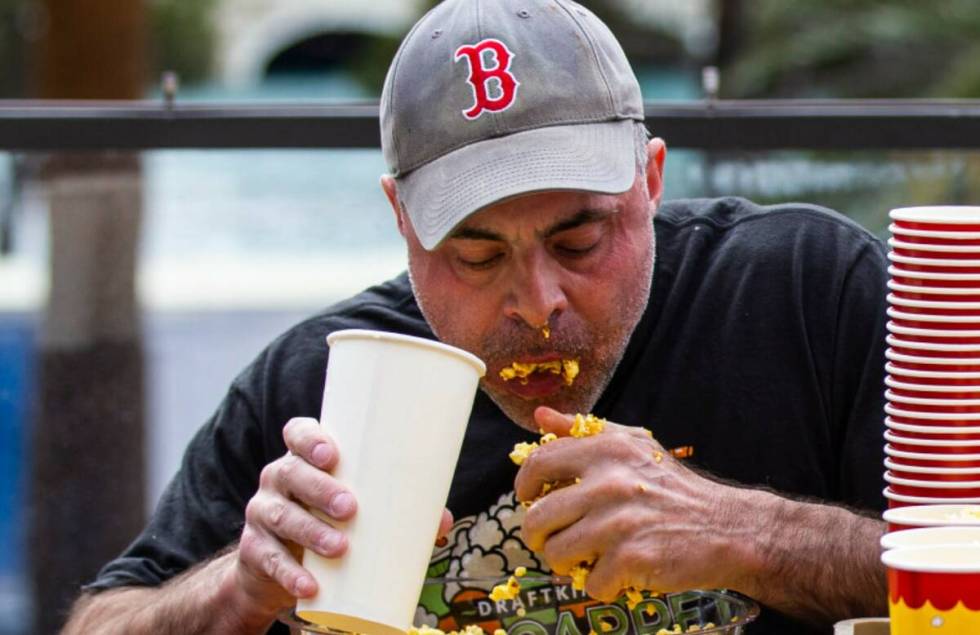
(908, 515)
(932, 275)
(928, 500)
(937, 214)
(916, 469)
(932, 416)
(911, 288)
(895, 539)
(936, 388)
(894, 300)
(894, 228)
(911, 330)
(894, 340)
(931, 374)
(932, 262)
(932, 361)
(926, 456)
(968, 556)
(914, 482)
(897, 243)
(898, 314)
(434, 345)
(927, 429)
(929, 443)
(919, 401)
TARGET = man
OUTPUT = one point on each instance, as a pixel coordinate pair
(526, 190)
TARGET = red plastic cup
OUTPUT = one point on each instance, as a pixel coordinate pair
(934, 237)
(905, 499)
(952, 323)
(941, 447)
(934, 431)
(933, 489)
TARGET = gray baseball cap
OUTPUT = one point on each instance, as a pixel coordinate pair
(491, 99)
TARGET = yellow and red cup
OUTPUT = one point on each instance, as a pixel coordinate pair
(934, 590)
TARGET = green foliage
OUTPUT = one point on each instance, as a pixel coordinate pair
(857, 48)
(182, 37)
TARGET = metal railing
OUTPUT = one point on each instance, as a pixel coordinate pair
(27, 126)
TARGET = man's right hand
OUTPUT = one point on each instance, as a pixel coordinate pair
(279, 525)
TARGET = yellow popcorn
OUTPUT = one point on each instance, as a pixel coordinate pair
(567, 368)
(506, 591)
(658, 456)
(579, 573)
(521, 451)
(587, 426)
(500, 631)
(640, 487)
(520, 572)
(424, 630)
(548, 438)
(546, 332)
(605, 626)
(521, 612)
(633, 598)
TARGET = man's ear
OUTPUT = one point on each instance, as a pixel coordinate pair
(656, 155)
(391, 192)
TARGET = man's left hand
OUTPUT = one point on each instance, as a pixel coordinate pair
(640, 517)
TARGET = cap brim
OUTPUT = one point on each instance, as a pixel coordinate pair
(594, 157)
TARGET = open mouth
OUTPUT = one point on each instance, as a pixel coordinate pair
(567, 369)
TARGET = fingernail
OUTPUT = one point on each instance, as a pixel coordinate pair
(305, 586)
(321, 454)
(329, 542)
(341, 504)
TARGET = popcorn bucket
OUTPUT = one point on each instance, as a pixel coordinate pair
(934, 590)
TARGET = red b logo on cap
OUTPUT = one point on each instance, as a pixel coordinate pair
(481, 77)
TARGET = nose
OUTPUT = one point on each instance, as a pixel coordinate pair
(536, 293)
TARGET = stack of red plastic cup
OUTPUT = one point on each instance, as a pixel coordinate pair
(933, 382)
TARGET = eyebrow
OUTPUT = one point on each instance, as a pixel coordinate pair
(581, 218)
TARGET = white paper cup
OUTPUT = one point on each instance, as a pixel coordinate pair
(397, 408)
(934, 516)
(928, 233)
(898, 272)
(932, 537)
(938, 214)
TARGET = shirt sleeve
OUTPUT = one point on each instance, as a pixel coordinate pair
(858, 381)
(202, 509)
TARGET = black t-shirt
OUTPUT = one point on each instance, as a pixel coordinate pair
(762, 348)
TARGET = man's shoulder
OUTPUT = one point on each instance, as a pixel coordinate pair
(295, 361)
(731, 212)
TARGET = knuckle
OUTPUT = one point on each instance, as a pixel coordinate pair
(277, 512)
(272, 562)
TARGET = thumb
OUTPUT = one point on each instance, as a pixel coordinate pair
(550, 420)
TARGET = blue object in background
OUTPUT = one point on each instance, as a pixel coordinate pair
(17, 358)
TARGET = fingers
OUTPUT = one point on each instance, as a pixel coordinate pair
(550, 420)
(262, 558)
(292, 477)
(306, 439)
(551, 514)
(445, 524)
(607, 578)
(284, 519)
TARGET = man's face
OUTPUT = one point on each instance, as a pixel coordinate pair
(579, 263)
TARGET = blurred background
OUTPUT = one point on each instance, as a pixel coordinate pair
(135, 286)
